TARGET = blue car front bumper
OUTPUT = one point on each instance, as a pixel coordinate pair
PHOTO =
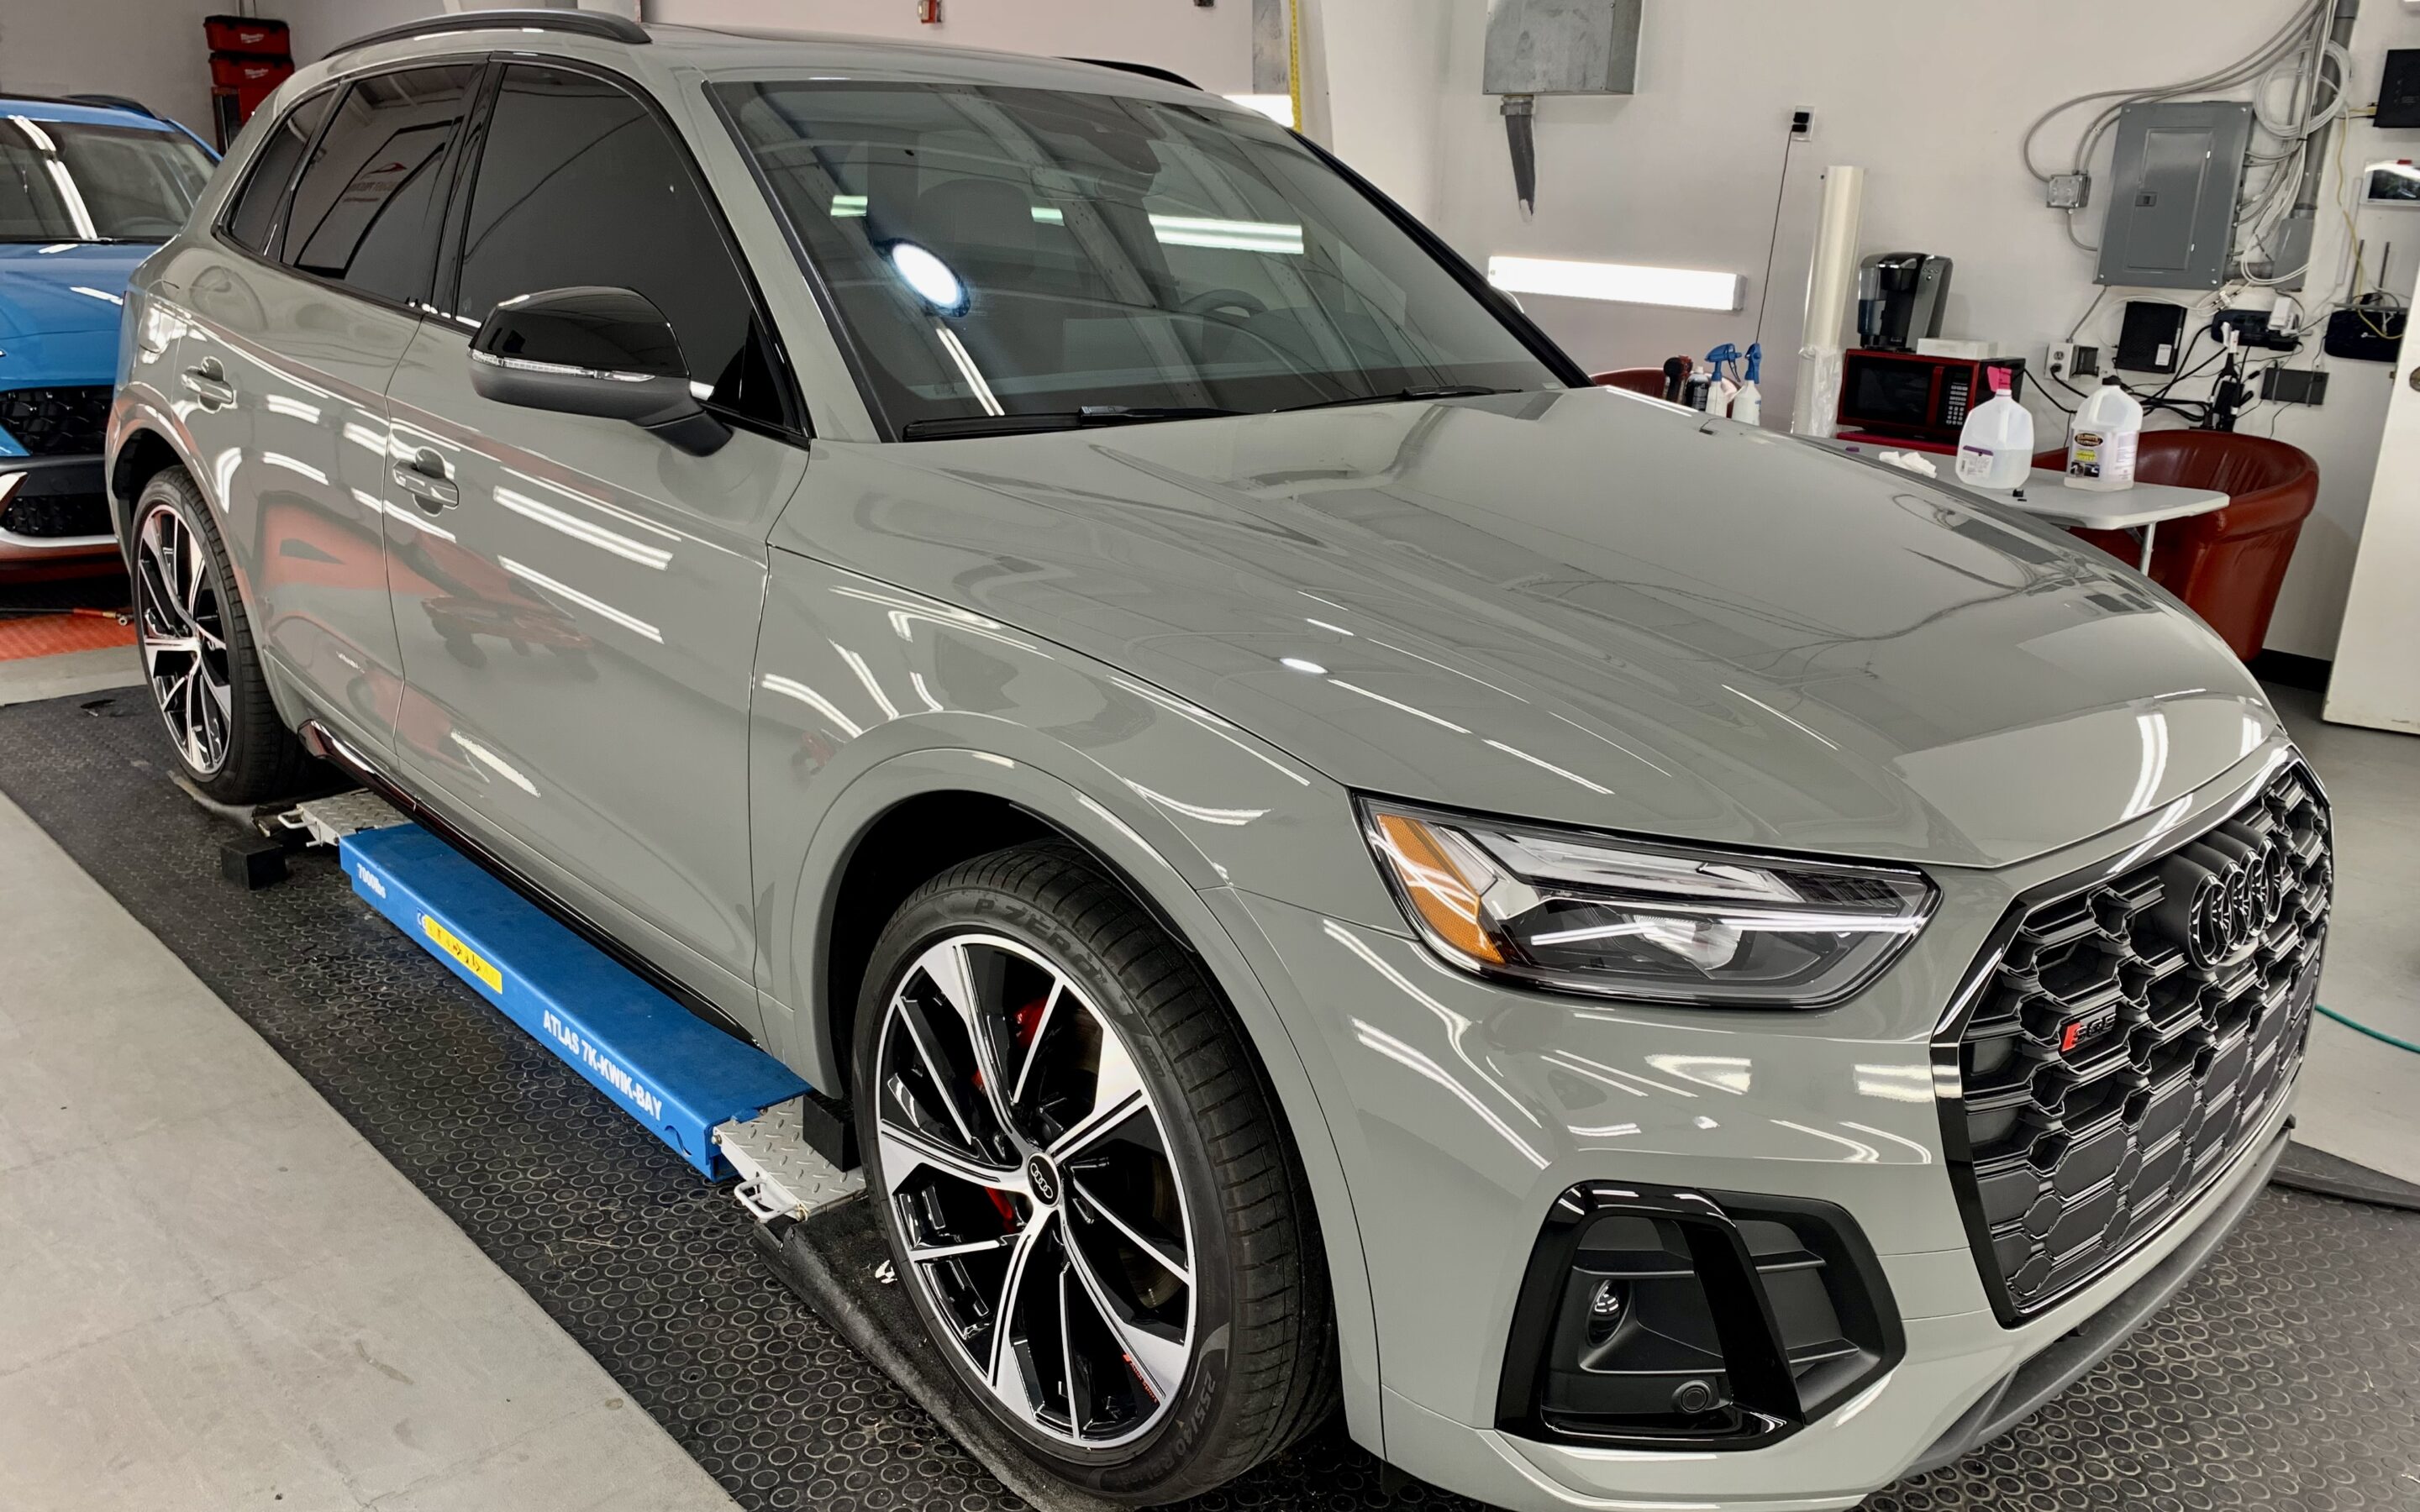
(52, 507)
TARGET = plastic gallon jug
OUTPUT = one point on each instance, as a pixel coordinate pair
(1996, 446)
(2101, 440)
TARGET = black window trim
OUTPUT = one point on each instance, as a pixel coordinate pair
(1494, 300)
(446, 284)
(223, 229)
(417, 309)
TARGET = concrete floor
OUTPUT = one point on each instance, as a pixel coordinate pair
(215, 1294)
(2361, 1098)
(218, 1296)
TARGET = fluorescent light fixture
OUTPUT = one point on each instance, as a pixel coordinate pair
(1279, 108)
(848, 205)
(1623, 282)
(1284, 239)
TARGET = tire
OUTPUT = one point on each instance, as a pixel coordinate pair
(199, 659)
(1186, 1218)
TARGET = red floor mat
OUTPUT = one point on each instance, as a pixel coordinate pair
(47, 635)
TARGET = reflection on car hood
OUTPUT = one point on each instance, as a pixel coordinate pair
(1589, 608)
(47, 288)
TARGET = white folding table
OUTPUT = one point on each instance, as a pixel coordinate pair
(2142, 506)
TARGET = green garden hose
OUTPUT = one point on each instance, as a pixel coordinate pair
(2360, 1027)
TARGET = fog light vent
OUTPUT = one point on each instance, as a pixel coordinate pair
(1659, 1317)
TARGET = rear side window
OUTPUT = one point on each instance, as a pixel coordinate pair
(580, 184)
(369, 203)
(254, 217)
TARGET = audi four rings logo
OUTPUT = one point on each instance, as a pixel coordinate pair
(2224, 892)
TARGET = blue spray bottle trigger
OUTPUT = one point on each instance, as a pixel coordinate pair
(1755, 361)
(1722, 357)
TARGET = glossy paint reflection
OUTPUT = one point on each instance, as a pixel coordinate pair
(1570, 605)
(578, 641)
(300, 476)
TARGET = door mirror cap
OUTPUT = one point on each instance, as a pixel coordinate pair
(607, 352)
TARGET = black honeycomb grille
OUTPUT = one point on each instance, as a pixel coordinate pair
(62, 422)
(56, 514)
(2130, 1041)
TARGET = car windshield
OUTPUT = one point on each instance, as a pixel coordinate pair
(74, 181)
(997, 253)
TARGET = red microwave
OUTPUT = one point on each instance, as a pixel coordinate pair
(1916, 398)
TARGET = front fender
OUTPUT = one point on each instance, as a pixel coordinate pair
(852, 672)
(868, 697)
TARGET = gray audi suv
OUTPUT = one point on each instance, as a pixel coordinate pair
(1333, 865)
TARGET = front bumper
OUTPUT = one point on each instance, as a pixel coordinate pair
(52, 508)
(1462, 1110)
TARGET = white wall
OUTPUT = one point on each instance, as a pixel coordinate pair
(151, 50)
(317, 25)
(1929, 98)
(1384, 63)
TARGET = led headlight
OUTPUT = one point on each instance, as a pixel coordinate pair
(1658, 923)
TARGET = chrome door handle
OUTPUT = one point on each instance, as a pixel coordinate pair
(431, 494)
(208, 382)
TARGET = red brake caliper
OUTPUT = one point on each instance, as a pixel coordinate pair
(1025, 1021)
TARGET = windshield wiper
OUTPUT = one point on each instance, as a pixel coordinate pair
(1442, 391)
(1091, 414)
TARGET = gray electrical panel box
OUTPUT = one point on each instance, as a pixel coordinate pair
(1562, 47)
(2173, 186)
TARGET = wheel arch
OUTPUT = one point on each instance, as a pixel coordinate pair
(978, 801)
(145, 440)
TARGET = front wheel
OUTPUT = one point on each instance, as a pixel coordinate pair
(198, 656)
(1084, 1181)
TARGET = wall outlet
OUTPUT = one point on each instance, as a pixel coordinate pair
(1802, 123)
(2073, 359)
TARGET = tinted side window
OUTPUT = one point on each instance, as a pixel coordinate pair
(369, 203)
(254, 216)
(580, 184)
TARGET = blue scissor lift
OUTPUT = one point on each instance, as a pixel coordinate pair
(724, 1106)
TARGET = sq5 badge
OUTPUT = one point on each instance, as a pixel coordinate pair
(2085, 1028)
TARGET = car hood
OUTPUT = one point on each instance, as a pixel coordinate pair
(62, 287)
(1589, 608)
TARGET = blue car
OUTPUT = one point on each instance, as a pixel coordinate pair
(88, 189)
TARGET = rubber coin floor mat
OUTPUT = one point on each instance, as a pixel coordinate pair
(2286, 1376)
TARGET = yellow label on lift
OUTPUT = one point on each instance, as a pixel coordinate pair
(472, 960)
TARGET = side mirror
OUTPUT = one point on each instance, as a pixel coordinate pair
(607, 352)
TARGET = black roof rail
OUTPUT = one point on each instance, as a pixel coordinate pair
(610, 27)
(1146, 69)
(91, 101)
(112, 102)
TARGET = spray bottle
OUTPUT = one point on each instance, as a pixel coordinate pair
(1747, 406)
(1718, 396)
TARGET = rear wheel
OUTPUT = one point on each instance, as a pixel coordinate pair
(198, 657)
(1084, 1183)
